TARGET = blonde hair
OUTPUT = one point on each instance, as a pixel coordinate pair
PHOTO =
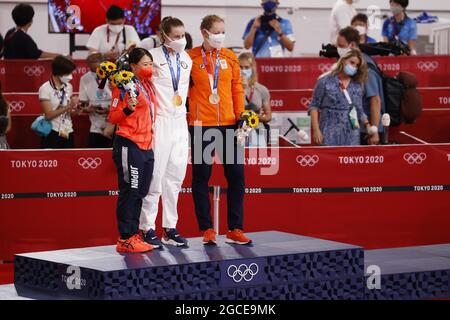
(249, 57)
(363, 71)
(208, 21)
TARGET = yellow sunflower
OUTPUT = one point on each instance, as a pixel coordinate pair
(105, 69)
(123, 76)
(253, 120)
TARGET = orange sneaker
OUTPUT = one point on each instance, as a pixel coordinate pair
(237, 236)
(133, 245)
(209, 237)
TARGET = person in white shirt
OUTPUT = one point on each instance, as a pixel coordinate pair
(113, 38)
(59, 105)
(153, 41)
(96, 102)
(171, 78)
(341, 17)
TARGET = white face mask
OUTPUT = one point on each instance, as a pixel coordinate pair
(177, 45)
(116, 28)
(66, 79)
(216, 40)
(343, 51)
(362, 30)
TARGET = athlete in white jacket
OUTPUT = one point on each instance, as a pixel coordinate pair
(171, 75)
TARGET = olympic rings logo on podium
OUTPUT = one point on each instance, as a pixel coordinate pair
(305, 102)
(308, 161)
(34, 71)
(324, 67)
(415, 158)
(427, 66)
(243, 272)
(16, 106)
(89, 163)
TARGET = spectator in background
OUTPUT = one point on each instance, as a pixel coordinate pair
(400, 26)
(269, 35)
(96, 102)
(113, 38)
(154, 41)
(373, 103)
(1, 46)
(189, 42)
(5, 121)
(361, 23)
(59, 105)
(18, 44)
(338, 98)
(257, 98)
(341, 17)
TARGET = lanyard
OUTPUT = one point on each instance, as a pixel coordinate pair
(151, 105)
(249, 98)
(346, 94)
(175, 80)
(117, 37)
(213, 82)
(62, 92)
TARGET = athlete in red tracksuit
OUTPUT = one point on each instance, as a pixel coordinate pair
(132, 150)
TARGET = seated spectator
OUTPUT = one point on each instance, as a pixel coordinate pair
(373, 103)
(338, 98)
(113, 38)
(257, 98)
(341, 17)
(59, 105)
(18, 43)
(96, 102)
(269, 35)
(361, 23)
(400, 26)
(5, 121)
(153, 41)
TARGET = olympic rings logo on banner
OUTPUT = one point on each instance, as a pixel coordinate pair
(415, 158)
(324, 67)
(428, 66)
(16, 106)
(306, 102)
(243, 272)
(89, 163)
(308, 161)
(34, 71)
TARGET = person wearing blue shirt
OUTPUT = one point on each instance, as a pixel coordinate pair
(269, 35)
(361, 23)
(373, 98)
(400, 26)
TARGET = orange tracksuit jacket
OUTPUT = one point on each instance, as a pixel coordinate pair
(230, 89)
(136, 126)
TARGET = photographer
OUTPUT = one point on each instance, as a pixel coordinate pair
(269, 35)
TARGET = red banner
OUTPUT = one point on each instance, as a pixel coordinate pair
(375, 197)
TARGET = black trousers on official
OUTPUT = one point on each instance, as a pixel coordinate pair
(97, 140)
(233, 165)
(54, 141)
(134, 170)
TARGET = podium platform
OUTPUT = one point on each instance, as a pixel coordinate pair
(277, 266)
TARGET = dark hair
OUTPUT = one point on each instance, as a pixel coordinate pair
(114, 13)
(62, 65)
(403, 3)
(136, 55)
(4, 120)
(22, 14)
(189, 41)
(170, 22)
(350, 35)
(360, 17)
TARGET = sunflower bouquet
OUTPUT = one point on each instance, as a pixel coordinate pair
(249, 120)
(124, 79)
(106, 71)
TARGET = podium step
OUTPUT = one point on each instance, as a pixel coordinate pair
(277, 266)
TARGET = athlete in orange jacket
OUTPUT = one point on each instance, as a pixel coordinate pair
(132, 150)
(216, 100)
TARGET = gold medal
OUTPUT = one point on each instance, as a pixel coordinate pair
(177, 100)
(214, 98)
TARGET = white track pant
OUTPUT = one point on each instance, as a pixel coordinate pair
(171, 148)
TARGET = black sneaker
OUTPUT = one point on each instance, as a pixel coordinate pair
(151, 238)
(173, 238)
